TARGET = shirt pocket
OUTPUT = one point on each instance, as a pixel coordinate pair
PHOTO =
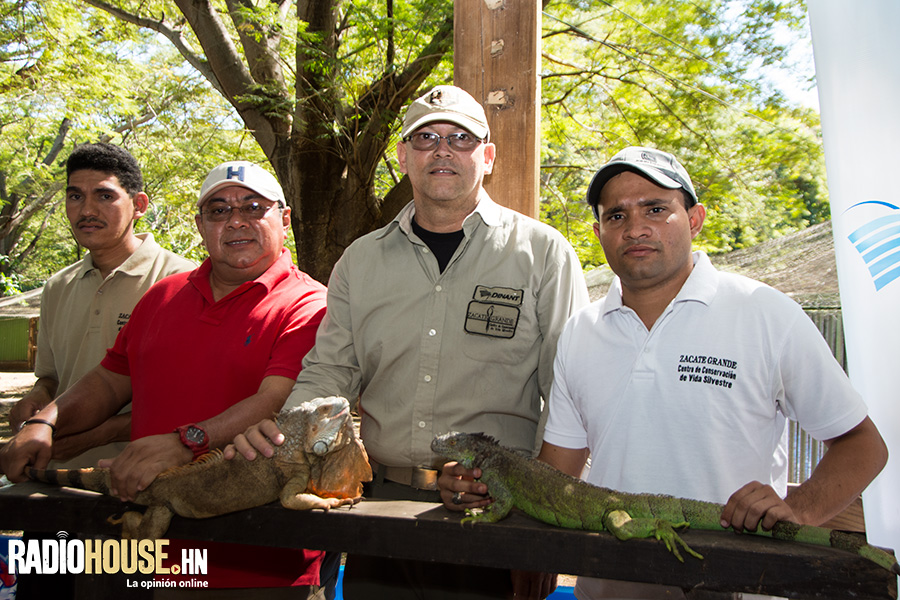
(500, 327)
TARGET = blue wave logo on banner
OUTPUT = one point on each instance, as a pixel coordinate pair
(878, 242)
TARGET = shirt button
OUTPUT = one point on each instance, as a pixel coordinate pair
(422, 424)
(425, 250)
(432, 332)
(437, 288)
(428, 378)
(96, 312)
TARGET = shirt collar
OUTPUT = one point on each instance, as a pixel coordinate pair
(134, 264)
(279, 270)
(487, 211)
(700, 286)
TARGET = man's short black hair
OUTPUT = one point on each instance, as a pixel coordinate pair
(107, 158)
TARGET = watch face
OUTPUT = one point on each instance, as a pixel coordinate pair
(195, 435)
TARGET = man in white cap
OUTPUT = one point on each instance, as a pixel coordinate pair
(681, 380)
(204, 355)
(445, 319)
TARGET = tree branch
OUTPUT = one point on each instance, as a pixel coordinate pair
(171, 33)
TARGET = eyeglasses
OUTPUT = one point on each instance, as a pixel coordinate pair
(222, 212)
(427, 140)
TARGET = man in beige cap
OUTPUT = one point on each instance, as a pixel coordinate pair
(445, 319)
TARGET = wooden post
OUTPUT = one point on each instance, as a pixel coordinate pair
(497, 49)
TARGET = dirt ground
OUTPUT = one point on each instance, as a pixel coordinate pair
(12, 387)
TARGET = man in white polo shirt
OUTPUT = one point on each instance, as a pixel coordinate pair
(682, 379)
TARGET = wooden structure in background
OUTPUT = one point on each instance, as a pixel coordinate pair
(497, 48)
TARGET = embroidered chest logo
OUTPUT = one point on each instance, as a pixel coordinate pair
(711, 370)
(494, 311)
(122, 320)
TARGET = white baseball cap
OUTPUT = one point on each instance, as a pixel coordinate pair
(450, 104)
(245, 174)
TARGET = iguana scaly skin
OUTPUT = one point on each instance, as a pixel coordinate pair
(553, 497)
(321, 464)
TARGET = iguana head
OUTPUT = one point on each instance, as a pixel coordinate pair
(321, 430)
(464, 448)
(318, 426)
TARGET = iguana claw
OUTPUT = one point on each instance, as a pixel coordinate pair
(665, 532)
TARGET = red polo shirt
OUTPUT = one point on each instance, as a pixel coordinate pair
(190, 358)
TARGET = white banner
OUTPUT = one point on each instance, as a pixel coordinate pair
(857, 52)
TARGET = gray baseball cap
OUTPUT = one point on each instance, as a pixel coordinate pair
(658, 166)
(447, 104)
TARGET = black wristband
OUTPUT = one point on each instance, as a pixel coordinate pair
(42, 422)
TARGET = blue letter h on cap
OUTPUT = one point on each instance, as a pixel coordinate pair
(231, 173)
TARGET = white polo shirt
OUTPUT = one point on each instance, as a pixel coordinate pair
(696, 406)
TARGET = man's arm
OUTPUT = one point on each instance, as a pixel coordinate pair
(852, 461)
(139, 464)
(37, 398)
(117, 428)
(89, 402)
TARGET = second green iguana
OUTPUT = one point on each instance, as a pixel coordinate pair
(553, 497)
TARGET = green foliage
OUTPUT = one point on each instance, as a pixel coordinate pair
(679, 75)
(683, 77)
(115, 83)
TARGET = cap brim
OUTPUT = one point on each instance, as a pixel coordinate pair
(471, 125)
(607, 172)
(227, 183)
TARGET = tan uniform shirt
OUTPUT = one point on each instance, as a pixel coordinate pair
(81, 314)
(470, 349)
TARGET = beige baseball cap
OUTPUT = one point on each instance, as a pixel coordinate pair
(447, 104)
(245, 174)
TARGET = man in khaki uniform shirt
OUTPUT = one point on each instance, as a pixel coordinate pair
(445, 319)
(84, 306)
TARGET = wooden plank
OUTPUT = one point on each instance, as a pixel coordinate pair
(733, 563)
(497, 60)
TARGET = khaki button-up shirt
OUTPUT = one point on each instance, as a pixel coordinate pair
(470, 349)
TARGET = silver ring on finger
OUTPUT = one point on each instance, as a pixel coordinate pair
(457, 498)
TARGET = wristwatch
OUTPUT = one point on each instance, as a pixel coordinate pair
(195, 438)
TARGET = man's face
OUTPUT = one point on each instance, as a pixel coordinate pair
(100, 211)
(646, 232)
(242, 248)
(445, 174)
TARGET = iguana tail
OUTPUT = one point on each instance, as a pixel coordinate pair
(96, 480)
(785, 530)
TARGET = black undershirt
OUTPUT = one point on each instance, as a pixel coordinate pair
(442, 245)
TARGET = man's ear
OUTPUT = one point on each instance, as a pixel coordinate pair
(141, 203)
(401, 156)
(286, 220)
(490, 153)
(696, 214)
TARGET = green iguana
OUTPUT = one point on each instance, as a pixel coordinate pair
(553, 497)
(321, 464)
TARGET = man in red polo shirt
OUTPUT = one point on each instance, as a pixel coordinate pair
(204, 355)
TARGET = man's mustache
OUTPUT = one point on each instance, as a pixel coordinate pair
(84, 220)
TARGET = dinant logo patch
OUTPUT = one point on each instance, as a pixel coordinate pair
(494, 311)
